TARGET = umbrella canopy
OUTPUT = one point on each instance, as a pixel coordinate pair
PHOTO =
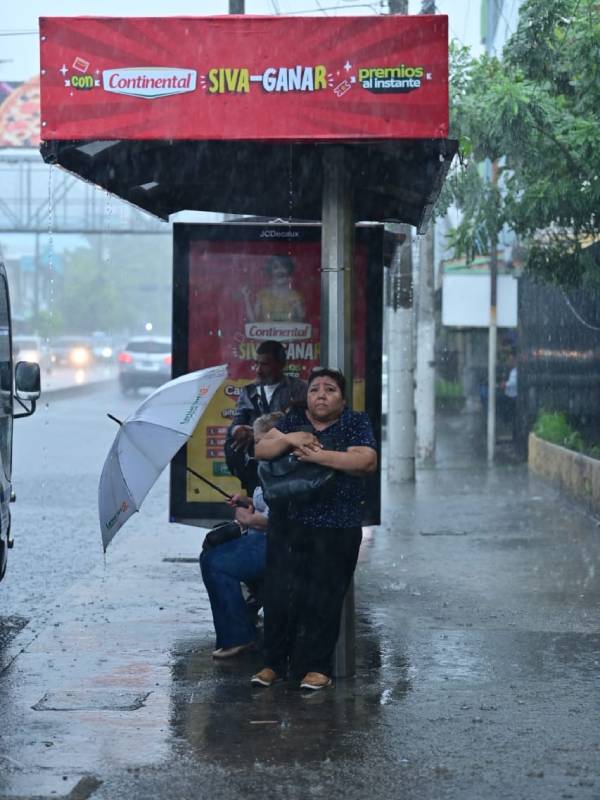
(147, 441)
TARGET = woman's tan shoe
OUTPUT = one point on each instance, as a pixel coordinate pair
(266, 677)
(315, 680)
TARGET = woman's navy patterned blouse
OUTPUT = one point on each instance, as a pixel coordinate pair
(342, 508)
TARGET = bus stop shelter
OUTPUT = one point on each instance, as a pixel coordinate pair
(337, 120)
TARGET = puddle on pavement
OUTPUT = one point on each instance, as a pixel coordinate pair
(474, 657)
(217, 713)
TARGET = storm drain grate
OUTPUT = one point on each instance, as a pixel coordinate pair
(90, 700)
(180, 560)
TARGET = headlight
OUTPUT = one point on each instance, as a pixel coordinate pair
(79, 356)
(106, 352)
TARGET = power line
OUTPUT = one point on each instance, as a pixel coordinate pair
(19, 33)
(344, 6)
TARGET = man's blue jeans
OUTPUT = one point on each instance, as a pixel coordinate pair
(223, 568)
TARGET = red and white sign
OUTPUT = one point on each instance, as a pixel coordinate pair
(252, 78)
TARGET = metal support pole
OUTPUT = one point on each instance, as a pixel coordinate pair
(36, 280)
(337, 246)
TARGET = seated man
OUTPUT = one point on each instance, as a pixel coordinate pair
(226, 566)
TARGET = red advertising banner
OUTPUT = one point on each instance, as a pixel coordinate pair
(236, 286)
(251, 78)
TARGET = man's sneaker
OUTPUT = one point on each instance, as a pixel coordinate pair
(315, 681)
(266, 677)
(231, 652)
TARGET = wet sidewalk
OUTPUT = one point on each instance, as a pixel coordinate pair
(478, 656)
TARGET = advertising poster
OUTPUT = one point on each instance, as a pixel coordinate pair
(236, 286)
(245, 78)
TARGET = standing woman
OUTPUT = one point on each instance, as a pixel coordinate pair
(312, 548)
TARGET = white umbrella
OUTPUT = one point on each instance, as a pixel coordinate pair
(147, 441)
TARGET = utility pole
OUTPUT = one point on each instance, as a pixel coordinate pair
(398, 6)
(401, 414)
(493, 326)
(492, 354)
(425, 388)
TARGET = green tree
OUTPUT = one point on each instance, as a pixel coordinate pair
(46, 323)
(118, 284)
(90, 299)
(536, 112)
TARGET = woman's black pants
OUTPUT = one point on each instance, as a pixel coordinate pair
(307, 575)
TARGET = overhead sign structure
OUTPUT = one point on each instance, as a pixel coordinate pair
(244, 78)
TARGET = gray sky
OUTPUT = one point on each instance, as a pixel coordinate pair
(19, 58)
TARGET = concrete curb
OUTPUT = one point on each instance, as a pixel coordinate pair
(576, 474)
(74, 389)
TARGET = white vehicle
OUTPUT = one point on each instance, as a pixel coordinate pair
(19, 389)
(31, 348)
(103, 349)
(145, 361)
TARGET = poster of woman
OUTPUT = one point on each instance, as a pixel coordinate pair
(278, 301)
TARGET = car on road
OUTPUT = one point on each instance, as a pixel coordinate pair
(31, 348)
(72, 351)
(19, 385)
(145, 361)
(103, 349)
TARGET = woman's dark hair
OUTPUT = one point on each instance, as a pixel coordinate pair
(328, 372)
(284, 261)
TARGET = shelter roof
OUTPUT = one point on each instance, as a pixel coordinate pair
(393, 180)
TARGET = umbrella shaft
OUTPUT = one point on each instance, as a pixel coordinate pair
(210, 483)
